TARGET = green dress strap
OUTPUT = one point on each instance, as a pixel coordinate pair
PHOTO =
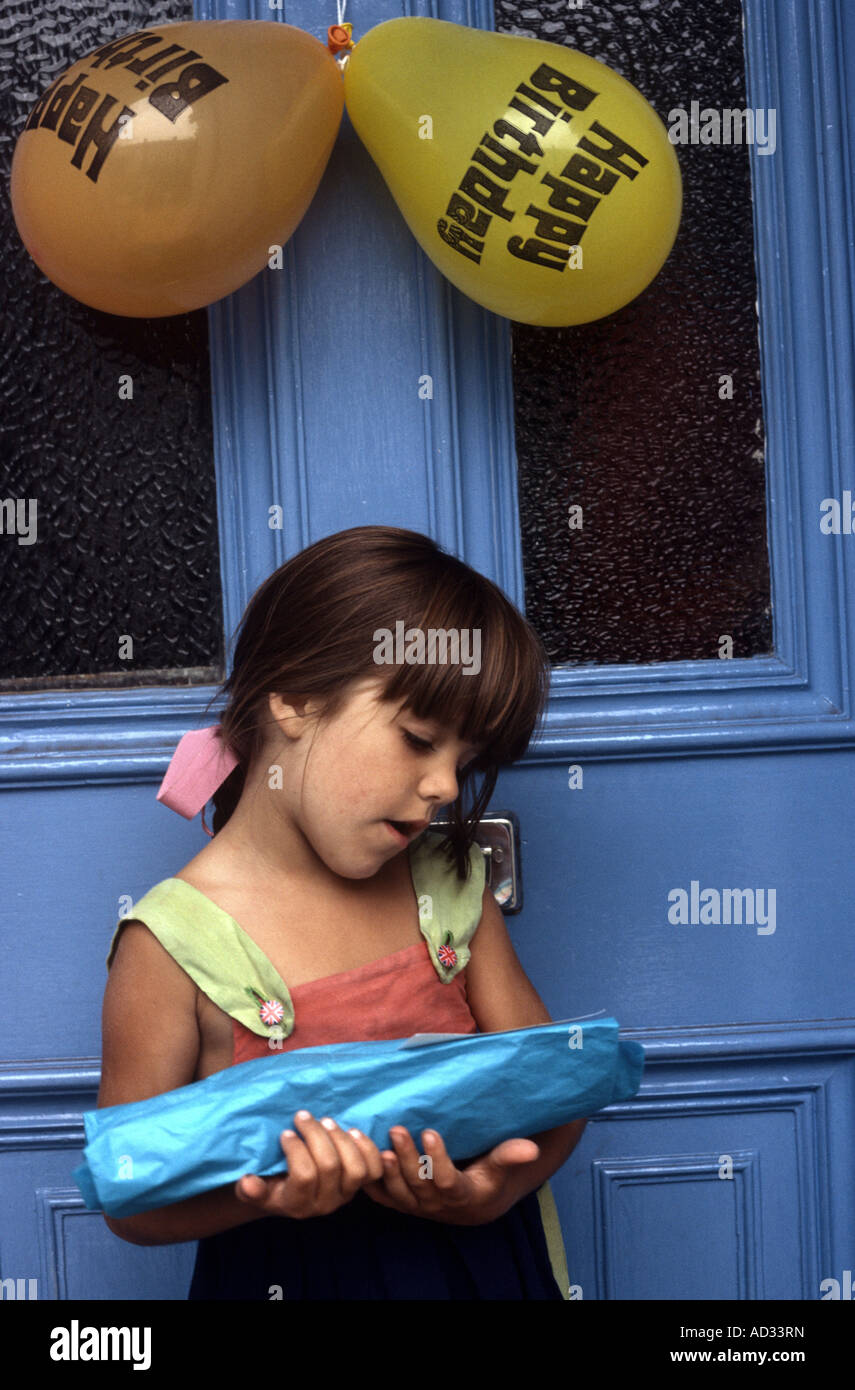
(554, 1238)
(217, 954)
(449, 910)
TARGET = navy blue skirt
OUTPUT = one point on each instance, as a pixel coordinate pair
(368, 1251)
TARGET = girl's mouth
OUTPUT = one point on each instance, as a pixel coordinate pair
(396, 828)
(405, 830)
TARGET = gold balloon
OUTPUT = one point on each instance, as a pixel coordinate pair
(539, 182)
(155, 175)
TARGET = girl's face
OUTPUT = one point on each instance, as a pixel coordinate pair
(361, 785)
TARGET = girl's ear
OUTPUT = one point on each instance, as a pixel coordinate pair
(288, 714)
(293, 714)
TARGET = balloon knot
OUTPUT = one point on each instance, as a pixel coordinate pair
(339, 38)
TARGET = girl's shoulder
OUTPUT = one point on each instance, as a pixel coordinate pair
(209, 945)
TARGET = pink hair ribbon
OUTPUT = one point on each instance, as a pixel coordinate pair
(200, 764)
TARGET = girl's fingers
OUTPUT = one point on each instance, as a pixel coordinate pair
(353, 1165)
(319, 1143)
(444, 1172)
(371, 1154)
(326, 1161)
(394, 1184)
(409, 1158)
(341, 1165)
(301, 1165)
(250, 1187)
(326, 1167)
(440, 1170)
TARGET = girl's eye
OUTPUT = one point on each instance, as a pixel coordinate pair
(423, 744)
(416, 742)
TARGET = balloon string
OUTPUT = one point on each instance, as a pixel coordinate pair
(342, 6)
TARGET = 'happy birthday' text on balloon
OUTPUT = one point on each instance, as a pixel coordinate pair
(538, 180)
(156, 173)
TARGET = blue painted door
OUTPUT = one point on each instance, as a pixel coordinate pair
(728, 1177)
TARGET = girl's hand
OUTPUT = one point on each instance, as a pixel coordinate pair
(326, 1168)
(471, 1196)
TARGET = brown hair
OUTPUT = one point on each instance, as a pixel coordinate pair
(309, 631)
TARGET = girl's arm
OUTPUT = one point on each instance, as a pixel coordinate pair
(150, 1044)
(501, 996)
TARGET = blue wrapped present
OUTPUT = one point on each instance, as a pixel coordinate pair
(475, 1090)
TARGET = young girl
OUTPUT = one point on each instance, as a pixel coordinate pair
(323, 910)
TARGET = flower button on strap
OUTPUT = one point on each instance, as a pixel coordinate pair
(270, 1011)
(446, 953)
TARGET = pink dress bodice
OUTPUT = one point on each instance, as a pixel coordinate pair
(393, 997)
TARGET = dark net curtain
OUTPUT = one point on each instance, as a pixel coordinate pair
(127, 525)
(623, 416)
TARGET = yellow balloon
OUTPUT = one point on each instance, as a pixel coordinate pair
(156, 174)
(541, 183)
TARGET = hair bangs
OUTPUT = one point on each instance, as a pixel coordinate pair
(496, 707)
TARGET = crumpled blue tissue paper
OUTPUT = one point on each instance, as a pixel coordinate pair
(475, 1090)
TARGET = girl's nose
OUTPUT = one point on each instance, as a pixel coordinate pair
(439, 785)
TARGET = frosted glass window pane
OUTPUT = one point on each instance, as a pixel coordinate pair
(625, 417)
(126, 540)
